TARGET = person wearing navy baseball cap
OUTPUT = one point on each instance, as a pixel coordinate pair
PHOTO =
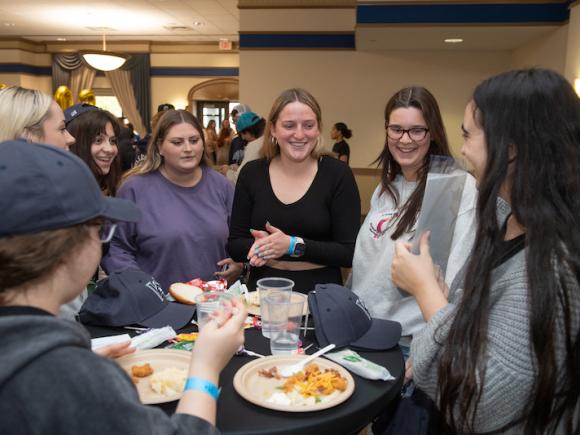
(51, 233)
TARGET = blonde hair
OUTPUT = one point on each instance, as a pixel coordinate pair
(271, 149)
(22, 112)
(153, 160)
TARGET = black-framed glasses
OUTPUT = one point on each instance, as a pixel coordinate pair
(416, 134)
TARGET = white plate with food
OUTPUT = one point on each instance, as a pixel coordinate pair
(158, 374)
(253, 304)
(321, 385)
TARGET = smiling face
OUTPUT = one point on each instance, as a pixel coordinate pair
(408, 153)
(182, 149)
(296, 131)
(474, 147)
(104, 149)
(54, 131)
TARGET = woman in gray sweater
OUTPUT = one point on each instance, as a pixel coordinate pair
(500, 352)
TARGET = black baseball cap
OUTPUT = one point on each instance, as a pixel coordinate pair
(73, 112)
(46, 188)
(133, 297)
(165, 106)
(340, 317)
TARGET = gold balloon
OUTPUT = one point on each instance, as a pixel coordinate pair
(3, 85)
(87, 96)
(63, 97)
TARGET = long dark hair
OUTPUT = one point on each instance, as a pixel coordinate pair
(536, 115)
(419, 98)
(85, 129)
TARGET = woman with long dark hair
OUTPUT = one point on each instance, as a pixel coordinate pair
(502, 353)
(338, 134)
(414, 132)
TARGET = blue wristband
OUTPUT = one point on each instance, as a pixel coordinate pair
(202, 385)
(292, 245)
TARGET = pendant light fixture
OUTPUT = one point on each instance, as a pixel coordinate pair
(104, 60)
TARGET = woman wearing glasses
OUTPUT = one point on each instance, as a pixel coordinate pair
(414, 132)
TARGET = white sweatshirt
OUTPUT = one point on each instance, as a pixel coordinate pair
(374, 251)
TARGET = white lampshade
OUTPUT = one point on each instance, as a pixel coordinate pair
(104, 61)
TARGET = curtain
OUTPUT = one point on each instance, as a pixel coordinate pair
(81, 78)
(62, 66)
(123, 89)
(140, 67)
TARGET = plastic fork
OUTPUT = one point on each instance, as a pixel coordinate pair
(287, 371)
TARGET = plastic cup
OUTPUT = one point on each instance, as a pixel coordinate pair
(265, 287)
(285, 321)
(208, 302)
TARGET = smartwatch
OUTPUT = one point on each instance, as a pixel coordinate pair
(299, 248)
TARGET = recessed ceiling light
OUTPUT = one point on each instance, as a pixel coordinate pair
(61, 39)
(197, 23)
(453, 40)
(9, 24)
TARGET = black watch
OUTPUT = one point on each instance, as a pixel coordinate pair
(299, 247)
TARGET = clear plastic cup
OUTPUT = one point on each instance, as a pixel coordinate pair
(265, 287)
(208, 302)
(285, 321)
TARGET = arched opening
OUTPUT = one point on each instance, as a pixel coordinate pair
(211, 99)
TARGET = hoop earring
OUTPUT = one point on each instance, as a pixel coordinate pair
(273, 140)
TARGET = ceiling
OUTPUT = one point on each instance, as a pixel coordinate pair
(211, 20)
(154, 20)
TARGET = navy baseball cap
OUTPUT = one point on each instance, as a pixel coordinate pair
(73, 112)
(341, 318)
(46, 188)
(132, 297)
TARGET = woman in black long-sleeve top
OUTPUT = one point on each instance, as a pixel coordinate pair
(296, 212)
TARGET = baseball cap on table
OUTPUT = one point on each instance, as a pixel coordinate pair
(133, 297)
(341, 318)
(77, 110)
(246, 120)
(46, 188)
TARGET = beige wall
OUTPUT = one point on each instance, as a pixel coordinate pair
(545, 52)
(572, 69)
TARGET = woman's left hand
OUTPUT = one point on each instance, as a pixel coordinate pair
(232, 271)
(414, 273)
(268, 245)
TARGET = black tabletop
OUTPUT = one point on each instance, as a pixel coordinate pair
(235, 415)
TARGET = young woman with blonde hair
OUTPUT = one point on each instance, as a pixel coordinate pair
(296, 211)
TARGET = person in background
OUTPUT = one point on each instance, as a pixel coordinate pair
(338, 134)
(500, 353)
(49, 247)
(224, 140)
(127, 144)
(96, 132)
(251, 128)
(211, 139)
(414, 132)
(296, 211)
(238, 144)
(34, 116)
(186, 206)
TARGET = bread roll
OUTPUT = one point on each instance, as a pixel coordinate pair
(184, 293)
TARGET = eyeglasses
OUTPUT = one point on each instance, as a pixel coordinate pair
(415, 134)
(107, 231)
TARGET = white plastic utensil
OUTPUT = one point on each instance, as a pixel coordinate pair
(287, 371)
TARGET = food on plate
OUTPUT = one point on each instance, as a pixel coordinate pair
(184, 293)
(141, 371)
(168, 382)
(187, 336)
(306, 387)
(218, 285)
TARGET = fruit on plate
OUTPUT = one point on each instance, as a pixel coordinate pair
(184, 293)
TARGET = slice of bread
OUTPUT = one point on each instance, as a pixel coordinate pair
(184, 293)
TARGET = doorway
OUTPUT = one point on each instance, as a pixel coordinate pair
(216, 110)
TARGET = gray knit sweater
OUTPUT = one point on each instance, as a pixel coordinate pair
(510, 372)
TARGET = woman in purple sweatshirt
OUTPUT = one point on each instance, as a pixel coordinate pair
(186, 209)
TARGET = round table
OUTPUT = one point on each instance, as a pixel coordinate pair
(237, 416)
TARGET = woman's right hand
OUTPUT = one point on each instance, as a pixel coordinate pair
(219, 339)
